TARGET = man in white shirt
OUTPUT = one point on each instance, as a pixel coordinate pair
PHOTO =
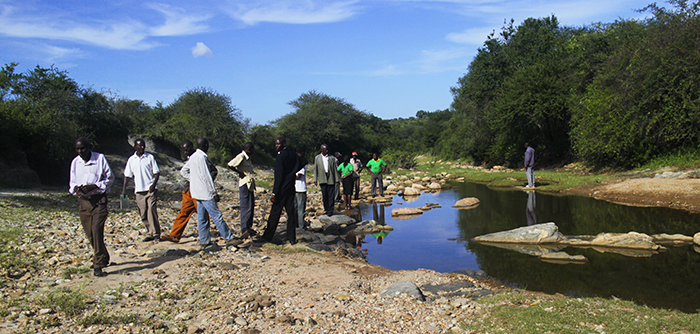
(90, 180)
(300, 187)
(202, 189)
(142, 167)
(242, 165)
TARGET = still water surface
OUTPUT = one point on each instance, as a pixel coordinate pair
(439, 240)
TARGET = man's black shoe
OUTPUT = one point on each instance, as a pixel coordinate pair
(99, 273)
(147, 239)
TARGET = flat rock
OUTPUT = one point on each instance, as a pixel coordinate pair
(467, 203)
(673, 239)
(631, 240)
(406, 211)
(337, 218)
(404, 287)
(534, 234)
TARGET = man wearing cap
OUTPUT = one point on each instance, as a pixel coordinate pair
(357, 167)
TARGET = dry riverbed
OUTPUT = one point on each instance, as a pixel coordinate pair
(163, 287)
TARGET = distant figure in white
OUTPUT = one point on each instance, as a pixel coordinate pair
(529, 165)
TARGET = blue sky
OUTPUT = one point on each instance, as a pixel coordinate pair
(390, 58)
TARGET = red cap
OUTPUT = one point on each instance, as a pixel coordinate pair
(354, 153)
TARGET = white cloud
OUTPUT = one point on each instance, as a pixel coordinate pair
(125, 34)
(201, 50)
(389, 70)
(177, 23)
(299, 12)
(435, 61)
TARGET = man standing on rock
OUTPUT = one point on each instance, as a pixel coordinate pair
(142, 167)
(286, 166)
(357, 168)
(202, 188)
(529, 164)
(90, 180)
(377, 166)
(242, 165)
(326, 176)
(189, 204)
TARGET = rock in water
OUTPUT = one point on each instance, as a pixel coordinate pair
(406, 211)
(409, 191)
(535, 234)
(627, 240)
(467, 203)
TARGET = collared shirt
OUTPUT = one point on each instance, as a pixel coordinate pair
(376, 165)
(143, 169)
(94, 171)
(243, 164)
(325, 162)
(300, 183)
(196, 171)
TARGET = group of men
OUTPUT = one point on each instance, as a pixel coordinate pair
(91, 178)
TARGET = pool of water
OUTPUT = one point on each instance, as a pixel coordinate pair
(439, 240)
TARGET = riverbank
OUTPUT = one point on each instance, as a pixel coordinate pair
(164, 287)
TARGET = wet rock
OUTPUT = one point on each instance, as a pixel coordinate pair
(534, 234)
(404, 287)
(331, 228)
(453, 289)
(467, 203)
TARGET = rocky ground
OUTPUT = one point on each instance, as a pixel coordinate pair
(320, 285)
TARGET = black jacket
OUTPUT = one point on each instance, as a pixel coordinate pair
(285, 172)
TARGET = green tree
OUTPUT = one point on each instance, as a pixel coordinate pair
(319, 118)
(202, 112)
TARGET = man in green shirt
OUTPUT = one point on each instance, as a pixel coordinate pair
(377, 166)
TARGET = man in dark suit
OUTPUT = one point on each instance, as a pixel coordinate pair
(283, 192)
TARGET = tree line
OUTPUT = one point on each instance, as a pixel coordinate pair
(610, 94)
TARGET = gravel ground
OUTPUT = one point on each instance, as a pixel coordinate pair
(161, 287)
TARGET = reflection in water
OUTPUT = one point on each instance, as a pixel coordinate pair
(530, 214)
(378, 216)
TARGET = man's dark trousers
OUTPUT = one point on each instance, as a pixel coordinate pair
(286, 202)
(328, 196)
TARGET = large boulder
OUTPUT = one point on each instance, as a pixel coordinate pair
(535, 234)
(467, 203)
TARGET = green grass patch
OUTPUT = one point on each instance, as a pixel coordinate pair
(66, 300)
(68, 272)
(683, 158)
(520, 312)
